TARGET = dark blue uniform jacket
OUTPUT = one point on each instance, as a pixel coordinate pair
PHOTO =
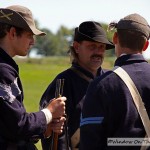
(74, 89)
(15, 123)
(109, 110)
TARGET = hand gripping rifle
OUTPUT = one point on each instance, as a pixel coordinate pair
(58, 93)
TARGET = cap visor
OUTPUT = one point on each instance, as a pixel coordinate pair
(37, 32)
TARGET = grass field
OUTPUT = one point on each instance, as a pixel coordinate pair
(36, 74)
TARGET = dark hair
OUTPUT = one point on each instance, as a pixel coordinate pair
(131, 39)
(73, 54)
(4, 28)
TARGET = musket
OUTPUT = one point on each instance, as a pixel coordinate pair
(58, 93)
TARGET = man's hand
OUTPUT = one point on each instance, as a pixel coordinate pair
(57, 107)
(56, 126)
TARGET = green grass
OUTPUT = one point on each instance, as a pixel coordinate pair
(36, 74)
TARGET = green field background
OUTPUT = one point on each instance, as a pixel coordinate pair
(36, 74)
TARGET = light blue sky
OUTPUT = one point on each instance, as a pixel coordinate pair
(53, 13)
(70, 13)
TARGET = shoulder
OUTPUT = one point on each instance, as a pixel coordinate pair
(6, 68)
(105, 80)
(68, 73)
(7, 72)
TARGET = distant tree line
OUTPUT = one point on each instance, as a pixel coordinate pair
(58, 44)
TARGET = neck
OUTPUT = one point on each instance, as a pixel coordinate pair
(6, 47)
(127, 51)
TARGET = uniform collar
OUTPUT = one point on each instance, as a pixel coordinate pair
(5, 58)
(125, 59)
(87, 73)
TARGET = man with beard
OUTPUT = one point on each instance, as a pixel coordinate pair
(87, 51)
(113, 117)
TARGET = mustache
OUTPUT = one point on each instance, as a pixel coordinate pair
(96, 55)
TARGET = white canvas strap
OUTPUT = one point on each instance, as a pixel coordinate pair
(75, 139)
(136, 98)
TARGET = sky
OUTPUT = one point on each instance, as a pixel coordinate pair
(70, 13)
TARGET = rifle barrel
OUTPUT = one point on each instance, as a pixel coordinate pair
(58, 93)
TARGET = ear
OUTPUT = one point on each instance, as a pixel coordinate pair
(146, 45)
(115, 38)
(12, 32)
(76, 46)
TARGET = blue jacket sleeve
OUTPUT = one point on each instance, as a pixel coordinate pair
(16, 123)
(92, 125)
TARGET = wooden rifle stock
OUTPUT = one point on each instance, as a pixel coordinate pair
(58, 93)
(54, 141)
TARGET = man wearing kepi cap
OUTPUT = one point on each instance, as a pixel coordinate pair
(87, 54)
(19, 129)
(109, 110)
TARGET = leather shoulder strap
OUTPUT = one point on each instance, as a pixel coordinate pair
(136, 98)
(82, 75)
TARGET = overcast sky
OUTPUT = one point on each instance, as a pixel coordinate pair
(70, 13)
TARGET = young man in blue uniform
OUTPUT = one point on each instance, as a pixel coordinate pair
(108, 110)
(19, 129)
(87, 52)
